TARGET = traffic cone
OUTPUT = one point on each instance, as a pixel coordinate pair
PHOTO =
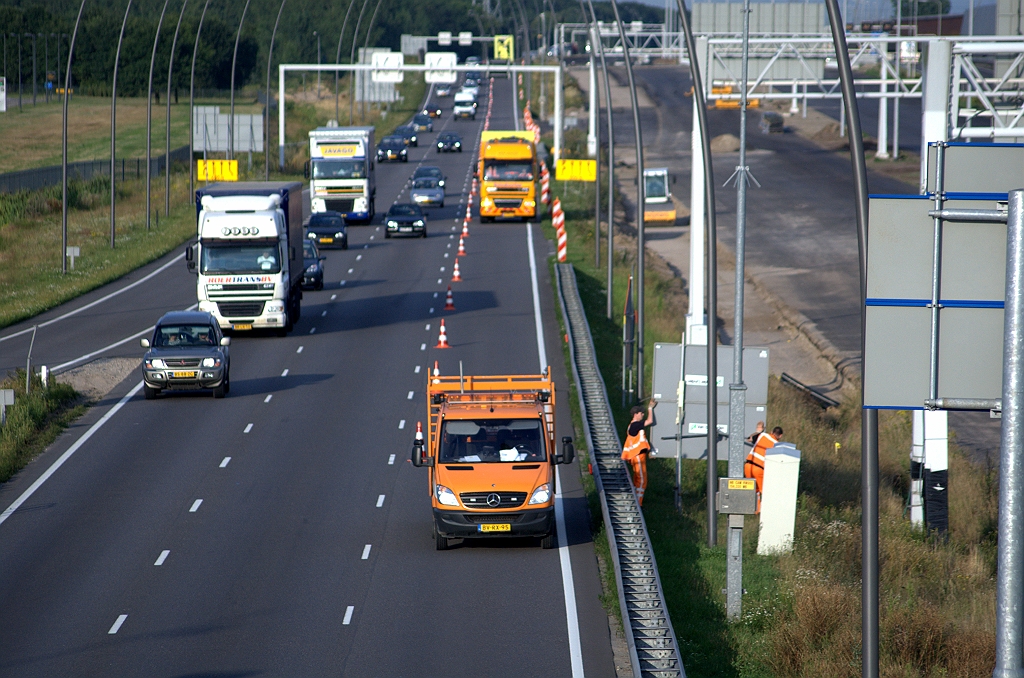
(419, 430)
(442, 337)
(465, 229)
(437, 370)
(449, 301)
(462, 248)
(456, 276)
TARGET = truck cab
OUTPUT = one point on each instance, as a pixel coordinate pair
(490, 453)
(341, 172)
(658, 203)
(507, 169)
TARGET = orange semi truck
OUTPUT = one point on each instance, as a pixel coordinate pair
(490, 452)
(508, 170)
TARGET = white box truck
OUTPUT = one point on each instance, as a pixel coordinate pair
(341, 172)
(249, 254)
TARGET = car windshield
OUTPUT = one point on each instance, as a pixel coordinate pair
(448, 137)
(492, 440)
(425, 183)
(184, 336)
(406, 129)
(327, 223)
(656, 186)
(339, 169)
(432, 172)
(422, 119)
(232, 258)
(404, 211)
(309, 250)
(392, 141)
(508, 170)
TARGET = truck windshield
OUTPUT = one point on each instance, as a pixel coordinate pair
(247, 258)
(492, 440)
(656, 186)
(339, 169)
(508, 170)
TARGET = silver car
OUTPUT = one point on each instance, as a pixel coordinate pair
(426, 191)
(187, 352)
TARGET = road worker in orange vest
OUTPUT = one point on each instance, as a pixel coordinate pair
(636, 448)
(754, 466)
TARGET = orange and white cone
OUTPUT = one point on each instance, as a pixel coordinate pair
(442, 338)
(419, 431)
(449, 300)
(462, 247)
(545, 183)
(465, 229)
(456, 276)
(558, 222)
(437, 373)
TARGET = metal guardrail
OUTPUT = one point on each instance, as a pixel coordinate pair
(41, 177)
(653, 650)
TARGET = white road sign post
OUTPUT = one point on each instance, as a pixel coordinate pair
(465, 39)
(444, 38)
(3, 95)
(387, 67)
(444, 62)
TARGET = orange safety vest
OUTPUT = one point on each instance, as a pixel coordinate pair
(635, 446)
(634, 452)
(754, 465)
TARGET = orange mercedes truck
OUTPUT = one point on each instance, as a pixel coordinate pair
(507, 168)
(490, 452)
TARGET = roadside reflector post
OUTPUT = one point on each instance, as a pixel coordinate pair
(6, 400)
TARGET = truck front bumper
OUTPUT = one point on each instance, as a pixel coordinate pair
(266, 319)
(538, 522)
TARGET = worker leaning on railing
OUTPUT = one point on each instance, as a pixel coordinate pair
(636, 449)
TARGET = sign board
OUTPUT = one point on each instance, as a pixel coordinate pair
(504, 47)
(212, 132)
(465, 38)
(386, 67)
(445, 63)
(576, 170)
(444, 38)
(217, 170)
(3, 95)
(897, 363)
(987, 169)
(347, 150)
(683, 373)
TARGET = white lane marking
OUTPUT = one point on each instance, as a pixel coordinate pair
(312, 330)
(446, 254)
(195, 505)
(417, 370)
(371, 237)
(343, 282)
(269, 396)
(423, 347)
(9, 511)
(247, 428)
(391, 460)
(117, 624)
(442, 269)
(97, 301)
(350, 270)
(431, 309)
(438, 281)
(366, 552)
(409, 397)
(377, 229)
(225, 462)
(428, 327)
(565, 562)
(324, 314)
(401, 424)
(162, 558)
(358, 257)
(348, 615)
(366, 247)
(334, 296)
(285, 373)
(380, 500)
(435, 295)
(300, 348)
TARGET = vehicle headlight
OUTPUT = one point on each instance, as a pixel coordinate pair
(405, 151)
(211, 362)
(445, 496)
(414, 138)
(541, 495)
(392, 224)
(486, 202)
(156, 364)
(311, 268)
(529, 203)
(275, 307)
(440, 145)
(339, 234)
(458, 143)
(418, 222)
(441, 182)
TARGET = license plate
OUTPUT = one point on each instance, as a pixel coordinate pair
(243, 326)
(405, 229)
(183, 375)
(326, 239)
(495, 527)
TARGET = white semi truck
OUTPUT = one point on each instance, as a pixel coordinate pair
(249, 254)
(341, 172)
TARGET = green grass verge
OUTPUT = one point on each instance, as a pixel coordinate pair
(34, 421)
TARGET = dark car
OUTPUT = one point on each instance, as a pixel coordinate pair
(433, 110)
(408, 134)
(423, 123)
(187, 352)
(405, 219)
(392, 148)
(328, 229)
(429, 172)
(313, 276)
(449, 141)
(475, 76)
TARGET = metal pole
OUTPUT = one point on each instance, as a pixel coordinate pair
(940, 198)
(192, 109)
(639, 208)
(595, 135)
(19, 72)
(234, 60)
(46, 66)
(337, 60)
(64, 148)
(167, 151)
(28, 362)
(1010, 558)
(113, 126)
(869, 417)
(712, 273)
(316, 34)
(351, 60)
(266, 125)
(366, 43)
(149, 118)
(34, 41)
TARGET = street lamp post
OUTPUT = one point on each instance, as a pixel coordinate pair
(113, 125)
(64, 148)
(191, 108)
(337, 58)
(234, 60)
(19, 70)
(149, 117)
(351, 60)
(33, 36)
(167, 151)
(366, 44)
(46, 66)
(266, 125)
(316, 34)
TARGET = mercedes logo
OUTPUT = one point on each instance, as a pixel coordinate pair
(493, 500)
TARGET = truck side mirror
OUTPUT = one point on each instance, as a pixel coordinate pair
(418, 457)
(568, 451)
(191, 265)
(305, 170)
(189, 254)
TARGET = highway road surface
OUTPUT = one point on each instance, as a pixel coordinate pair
(282, 531)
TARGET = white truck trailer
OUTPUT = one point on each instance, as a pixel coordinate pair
(341, 172)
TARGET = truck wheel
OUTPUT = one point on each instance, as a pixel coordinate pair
(151, 393)
(548, 542)
(441, 542)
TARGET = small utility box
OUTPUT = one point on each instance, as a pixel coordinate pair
(778, 499)
(6, 400)
(737, 496)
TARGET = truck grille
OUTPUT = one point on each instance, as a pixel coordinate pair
(240, 309)
(504, 499)
(334, 205)
(181, 362)
(507, 203)
(493, 517)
